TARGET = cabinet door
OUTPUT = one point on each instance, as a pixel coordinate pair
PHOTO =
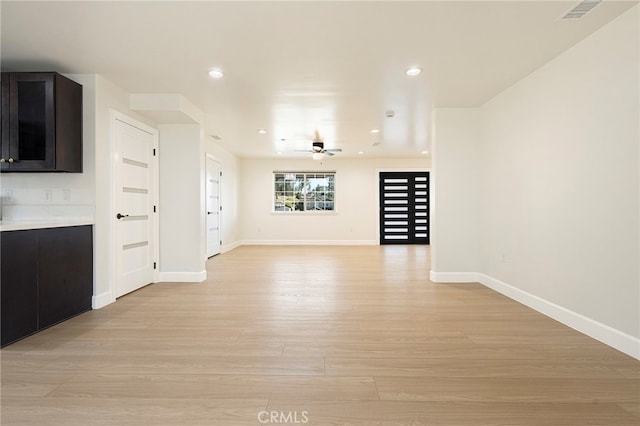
(19, 281)
(65, 273)
(31, 122)
(4, 126)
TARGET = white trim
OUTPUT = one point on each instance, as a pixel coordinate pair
(608, 335)
(453, 277)
(228, 247)
(309, 243)
(303, 212)
(623, 342)
(213, 158)
(102, 300)
(403, 169)
(182, 277)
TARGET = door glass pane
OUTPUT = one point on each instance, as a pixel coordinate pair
(31, 120)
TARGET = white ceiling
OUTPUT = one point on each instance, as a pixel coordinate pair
(294, 67)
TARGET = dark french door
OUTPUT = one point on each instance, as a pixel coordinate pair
(404, 208)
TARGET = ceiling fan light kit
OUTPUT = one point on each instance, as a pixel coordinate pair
(317, 148)
(413, 71)
(216, 73)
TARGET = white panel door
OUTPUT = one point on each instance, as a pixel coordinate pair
(213, 206)
(134, 205)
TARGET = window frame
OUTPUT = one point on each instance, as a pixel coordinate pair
(307, 174)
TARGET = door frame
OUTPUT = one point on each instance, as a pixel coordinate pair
(115, 116)
(400, 170)
(206, 195)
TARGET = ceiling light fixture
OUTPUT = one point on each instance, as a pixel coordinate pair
(216, 73)
(375, 130)
(316, 156)
(262, 131)
(413, 71)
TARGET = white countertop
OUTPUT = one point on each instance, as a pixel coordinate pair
(24, 224)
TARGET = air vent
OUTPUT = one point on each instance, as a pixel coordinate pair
(581, 9)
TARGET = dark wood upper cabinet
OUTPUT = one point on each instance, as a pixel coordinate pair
(41, 123)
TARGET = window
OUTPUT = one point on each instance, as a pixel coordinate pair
(303, 191)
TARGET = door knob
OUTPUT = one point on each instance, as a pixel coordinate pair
(120, 216)
(2, 160)
(11, 160)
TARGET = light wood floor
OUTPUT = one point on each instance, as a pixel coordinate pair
(335, 335)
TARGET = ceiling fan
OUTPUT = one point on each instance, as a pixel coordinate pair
(317, 148)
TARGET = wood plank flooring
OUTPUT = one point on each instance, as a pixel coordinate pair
(321, 336)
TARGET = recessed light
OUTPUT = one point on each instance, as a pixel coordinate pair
(414, 71)
(360, 152)
(375, 130)
(262, 131)
(424, 152)
(279, 152)
(216, 73)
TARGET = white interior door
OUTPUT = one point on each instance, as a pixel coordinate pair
(213, 206)
(134, 216)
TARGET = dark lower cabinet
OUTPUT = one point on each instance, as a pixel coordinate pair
(65, 273)
(47, 277)
(19, 281)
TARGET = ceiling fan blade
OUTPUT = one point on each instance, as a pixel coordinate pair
(328, 153)
(303, 150)
(334, 150)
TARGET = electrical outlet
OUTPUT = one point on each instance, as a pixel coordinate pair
(66, 195)
(48, 195)
(504, 258)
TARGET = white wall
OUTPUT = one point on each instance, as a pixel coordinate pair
(355, 220)
(558, 187)
(229, 195)
(182, 208)
(561, 179)
(455, 192)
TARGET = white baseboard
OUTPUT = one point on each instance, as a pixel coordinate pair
(310, 242)
(453, 277)
(608, 335)
(101, 300)
(182, 277)
(228, 247)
